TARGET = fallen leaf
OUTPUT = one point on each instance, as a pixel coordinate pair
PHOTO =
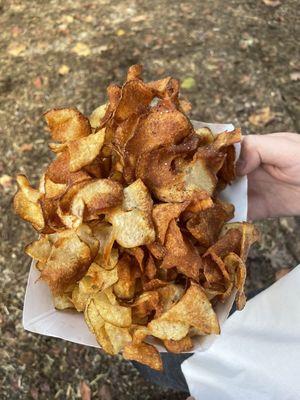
(66, 19)
(120, 32)
(15, 49)
(188, 83)
(81, 49)
(63, 69)
(139, 18)
(262, 117)
(281, 272)
(6, 181)
(88, 18)
(25, 147)
(85, 391)
(272, 3)
(38, 82)
(15, 31)
(34, 393)
(295, 76)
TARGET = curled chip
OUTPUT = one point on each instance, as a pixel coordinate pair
(27, 205)
(192, 310)
(143, 353)
(84, 150)
(132, 223)
(181, 253)
(67, 124)
(60, 271)
(132, 231)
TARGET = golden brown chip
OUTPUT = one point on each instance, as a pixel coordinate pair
(95, 197)
(53, 190)
(132, 223)
(143, 353)
(27, 205)
(127, 275)
(193, 309)
(206, 135)
(113, 313)
(97, 115)
(194, 180)
(145, 304)
(39, 249)
(234, 262)
(206, 225)
(179, 346)
(154, 129)
(107, 256)
(135, 98)
(59, 171)
(84, 150)
(150, 268)
(67, 124)
(67, 263)
(163, 214)
(225, 139)
(181, 253)
(62, 302)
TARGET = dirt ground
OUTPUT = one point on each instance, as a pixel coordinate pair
(234, 58)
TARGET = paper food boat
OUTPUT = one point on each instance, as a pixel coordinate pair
(40, 316)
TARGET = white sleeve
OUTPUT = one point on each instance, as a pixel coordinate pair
(257, 356)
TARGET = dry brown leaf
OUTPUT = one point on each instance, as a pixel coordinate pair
(272, 3)
(85, 391)
(16, 49)
(81, 49)
(262, 117)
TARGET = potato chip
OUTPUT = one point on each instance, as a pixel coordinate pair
(67, 124)
(127, 275)
(152, 130)
(84, 150)
(59, 171)
(62, 302)
(144, 353)
(40, 249)
(95, 197)
(113, 313)
(107, 256)
(206, 225)
(206, 135)
(26, 203)
(145, 304)
(181, 253)
(195, 180)
(193, 309)
(61, 270)
(132, 223)
(178, 346)
(97, 115)
(163, 214)
(92, 316)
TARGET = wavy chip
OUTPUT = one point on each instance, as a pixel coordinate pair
(84, 150)
(181, 253)
(67, 124)
(27, 205)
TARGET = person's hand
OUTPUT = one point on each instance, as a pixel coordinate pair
(272, 163)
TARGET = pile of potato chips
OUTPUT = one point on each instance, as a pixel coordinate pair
(132, 232)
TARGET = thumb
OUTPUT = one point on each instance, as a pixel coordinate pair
(249, 158)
